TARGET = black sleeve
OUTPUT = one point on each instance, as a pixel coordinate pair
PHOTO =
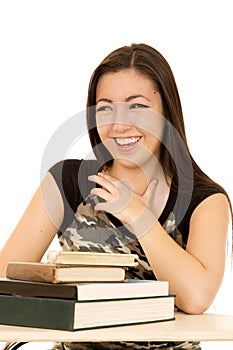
(65, 173)
(200, 193)
(71, 178)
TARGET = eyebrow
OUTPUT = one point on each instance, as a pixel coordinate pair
(126, 100)
(135, 96)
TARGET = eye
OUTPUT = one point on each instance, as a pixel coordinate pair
(137, 106)
(104, 108)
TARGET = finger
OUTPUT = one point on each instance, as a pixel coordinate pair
(102, 207)
(100, 192)
(118, 184)
(102, 182)
(110, 207)
(109, 178)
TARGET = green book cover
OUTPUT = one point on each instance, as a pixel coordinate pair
(37, 312)
(64, 314)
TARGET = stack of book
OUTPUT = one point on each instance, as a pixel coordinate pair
(77, 290)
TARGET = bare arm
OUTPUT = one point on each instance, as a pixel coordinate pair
(37, 227)
(194, 274)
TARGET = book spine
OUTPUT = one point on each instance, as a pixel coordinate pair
(38, 273)
(38, 289)
(37, 312)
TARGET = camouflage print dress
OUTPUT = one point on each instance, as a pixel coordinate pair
(84, 230)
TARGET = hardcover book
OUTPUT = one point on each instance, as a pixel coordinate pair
(73, 315)
(85, 291)
(91, 258)
(54, 273)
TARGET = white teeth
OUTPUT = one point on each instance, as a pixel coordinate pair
(127, 141)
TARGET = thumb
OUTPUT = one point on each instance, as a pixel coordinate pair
(149, 192)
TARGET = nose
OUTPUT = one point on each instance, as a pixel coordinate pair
(121, 120)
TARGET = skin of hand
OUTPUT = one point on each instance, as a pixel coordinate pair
(194, 274)
(133, 210)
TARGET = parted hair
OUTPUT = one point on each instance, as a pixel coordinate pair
(149, 62)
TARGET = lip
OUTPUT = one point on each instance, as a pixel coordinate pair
(127, 146)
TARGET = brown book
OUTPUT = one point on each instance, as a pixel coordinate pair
(92, 258)
(54, 273)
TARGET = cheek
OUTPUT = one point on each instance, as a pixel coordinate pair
(103, 132)
(153, 125)
(154, 144)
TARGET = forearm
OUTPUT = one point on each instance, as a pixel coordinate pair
(194, 274)
(193, 284)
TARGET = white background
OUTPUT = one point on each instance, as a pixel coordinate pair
(48, 50)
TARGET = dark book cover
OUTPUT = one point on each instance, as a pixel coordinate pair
(84, 291)
(37, 312)
(73, 315)
(38, 289)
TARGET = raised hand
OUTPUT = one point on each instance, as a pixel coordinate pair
(133, 210)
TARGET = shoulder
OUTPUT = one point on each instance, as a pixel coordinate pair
(204, 189)
(69, 169)
(214, 206)
(215, 199)
(205, 195)
(70, 176)
(210, 224)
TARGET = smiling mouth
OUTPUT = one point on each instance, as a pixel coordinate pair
(128, 141)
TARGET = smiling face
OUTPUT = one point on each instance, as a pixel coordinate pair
(129, 117)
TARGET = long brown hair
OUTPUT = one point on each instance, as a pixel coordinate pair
(148, 61)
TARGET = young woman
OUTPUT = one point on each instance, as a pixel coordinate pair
(144, 189)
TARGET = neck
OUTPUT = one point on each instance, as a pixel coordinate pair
(139, 177)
